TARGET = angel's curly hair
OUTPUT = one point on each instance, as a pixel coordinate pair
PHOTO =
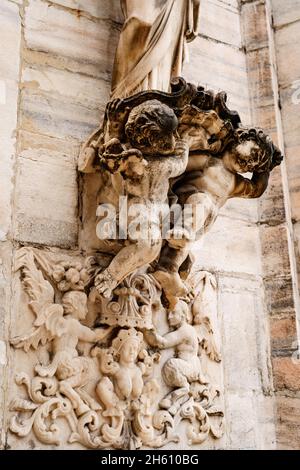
(148, 118)
(270, 155)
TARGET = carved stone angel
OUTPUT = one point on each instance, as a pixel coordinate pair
(185, 368)
(141, 171)
(60, 325)
(123, 392)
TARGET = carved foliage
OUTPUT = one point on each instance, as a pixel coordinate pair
(124, 408)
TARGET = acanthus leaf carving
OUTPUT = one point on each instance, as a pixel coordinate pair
(125, 409)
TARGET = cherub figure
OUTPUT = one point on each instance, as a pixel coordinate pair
(206, 185)
(61, 325)
(122, 388)
(126, 362)
(180, 371)
(141, 170)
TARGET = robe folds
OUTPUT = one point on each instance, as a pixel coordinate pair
(151, 53)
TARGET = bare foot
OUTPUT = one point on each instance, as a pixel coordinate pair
(105, 284)
(178, 238)
(171, 283)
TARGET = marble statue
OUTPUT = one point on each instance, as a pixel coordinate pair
(123, 349)
(152, 44)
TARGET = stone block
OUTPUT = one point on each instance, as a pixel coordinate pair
(283, 333)
(297, 246)
(266, 416)
(271, 204)
(286, 372)
(70, 41)
(10, 36)
(242, 209)
(100, 9)
(255, 34)
(275, 251)
(88, 92)
(245, 337)
(241, 423)
(291, 120)
(6, 254)
(236, 247)
(285, 12)
(220, 67)
(288, 425)
(221, 22)
(260, 84)
(287, 50)
(46, 198)
(279, 295)
(56, 116)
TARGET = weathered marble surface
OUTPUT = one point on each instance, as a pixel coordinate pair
(65, 84)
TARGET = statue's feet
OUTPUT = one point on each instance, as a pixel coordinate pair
(105, 284)
(171, 283)
(178, 238)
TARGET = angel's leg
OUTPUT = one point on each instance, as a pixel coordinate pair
(126, 262)
(202, 211)
(175, 375)
(66, 387)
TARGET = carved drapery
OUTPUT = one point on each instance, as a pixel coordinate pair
(152, 44)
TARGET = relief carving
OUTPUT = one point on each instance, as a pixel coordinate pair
(124, 408)
(125, 331)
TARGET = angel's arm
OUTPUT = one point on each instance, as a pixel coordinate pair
(179, 161)
(196, 162)
(170, 340)
(250, 189)
(117, 159)
(88, 335)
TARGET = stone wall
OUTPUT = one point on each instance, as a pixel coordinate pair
(55, 72)
(269, 66)
(286, 36)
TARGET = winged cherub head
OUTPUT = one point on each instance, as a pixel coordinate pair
(75, 304)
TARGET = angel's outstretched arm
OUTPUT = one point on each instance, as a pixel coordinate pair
(250, 189)
(88, 335)
(179, 161)
(170, 340)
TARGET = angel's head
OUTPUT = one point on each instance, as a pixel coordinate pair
(151, 127)
(179, 314)
(251, 151)
(127, 346)
(75, 304)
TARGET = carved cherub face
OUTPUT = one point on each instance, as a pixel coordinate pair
(75, 304)
(150, 128)
(179, 314)
(244, 158)
(253, 152)
(129, 351)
